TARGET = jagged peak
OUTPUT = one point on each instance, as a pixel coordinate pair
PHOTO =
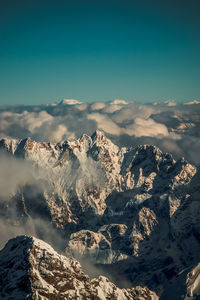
(84, 138)
(152, 148)
(48, 275)
(69, 102)
(22, 241)
(9, 144)
(26, 242)
(8, 140)
(100, 138)
(98, 134)
(24, 145)
(27, 139)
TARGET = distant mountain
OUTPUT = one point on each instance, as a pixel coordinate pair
(69, 102)
(192, 102)
(135, 213)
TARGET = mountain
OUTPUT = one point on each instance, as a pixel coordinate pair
(32, 269)
(69, 102)
(133, 212)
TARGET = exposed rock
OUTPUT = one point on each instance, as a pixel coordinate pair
(32, 269)
(193, 283)
(136, 211)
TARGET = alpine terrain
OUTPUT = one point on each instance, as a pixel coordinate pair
(130, 214)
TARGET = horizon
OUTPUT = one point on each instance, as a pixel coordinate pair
(63, 102)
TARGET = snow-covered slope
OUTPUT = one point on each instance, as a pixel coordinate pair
(32, 269)
(134, 211)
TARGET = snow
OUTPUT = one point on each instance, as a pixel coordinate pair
(50, 274)
(70, 102)
(91, 182)
(192, 102)
(119, 101)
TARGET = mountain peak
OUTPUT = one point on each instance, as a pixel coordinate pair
(69, 102)
(139, 194)
(31, 269)
(22, 241)
(98, 134)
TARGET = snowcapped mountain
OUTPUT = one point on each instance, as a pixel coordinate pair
(69, 102)
(32, 269)
(134, 212)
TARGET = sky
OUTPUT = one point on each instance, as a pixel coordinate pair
(99, 50)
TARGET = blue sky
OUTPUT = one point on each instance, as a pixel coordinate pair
(99, 50)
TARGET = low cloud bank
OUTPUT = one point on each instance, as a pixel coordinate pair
(173, 127)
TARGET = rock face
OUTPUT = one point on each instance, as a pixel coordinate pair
(32, 269)
(135, 212)
(193, 283)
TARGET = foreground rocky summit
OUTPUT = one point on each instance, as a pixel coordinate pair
(133, 212)
(31, 269)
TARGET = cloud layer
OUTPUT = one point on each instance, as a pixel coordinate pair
(171, 126)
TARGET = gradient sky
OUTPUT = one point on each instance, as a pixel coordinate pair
(99, 50)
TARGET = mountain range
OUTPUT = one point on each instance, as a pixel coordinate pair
(130, 214)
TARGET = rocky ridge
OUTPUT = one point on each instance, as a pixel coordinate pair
(32, 269)
(133, 211)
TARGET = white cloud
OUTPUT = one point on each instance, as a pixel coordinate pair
(105, 123)
(143, 127)
(97, 106)
(33, 120)
(39, 125)
(81, 107)
(140, 127)
(119, 101)
(133, 111)
(10, 167)
(157, 124)
(112, 108)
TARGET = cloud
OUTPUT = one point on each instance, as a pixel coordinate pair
(143, 127)
(97, 106)
(34, 227)
(13, 173)
(32, 121)
(112, 108)
(140, 127)
(132, 111)
(39, 125)
(82, 106)
(167, 125)
(20, 209)
(173, 128)
(105, 123)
